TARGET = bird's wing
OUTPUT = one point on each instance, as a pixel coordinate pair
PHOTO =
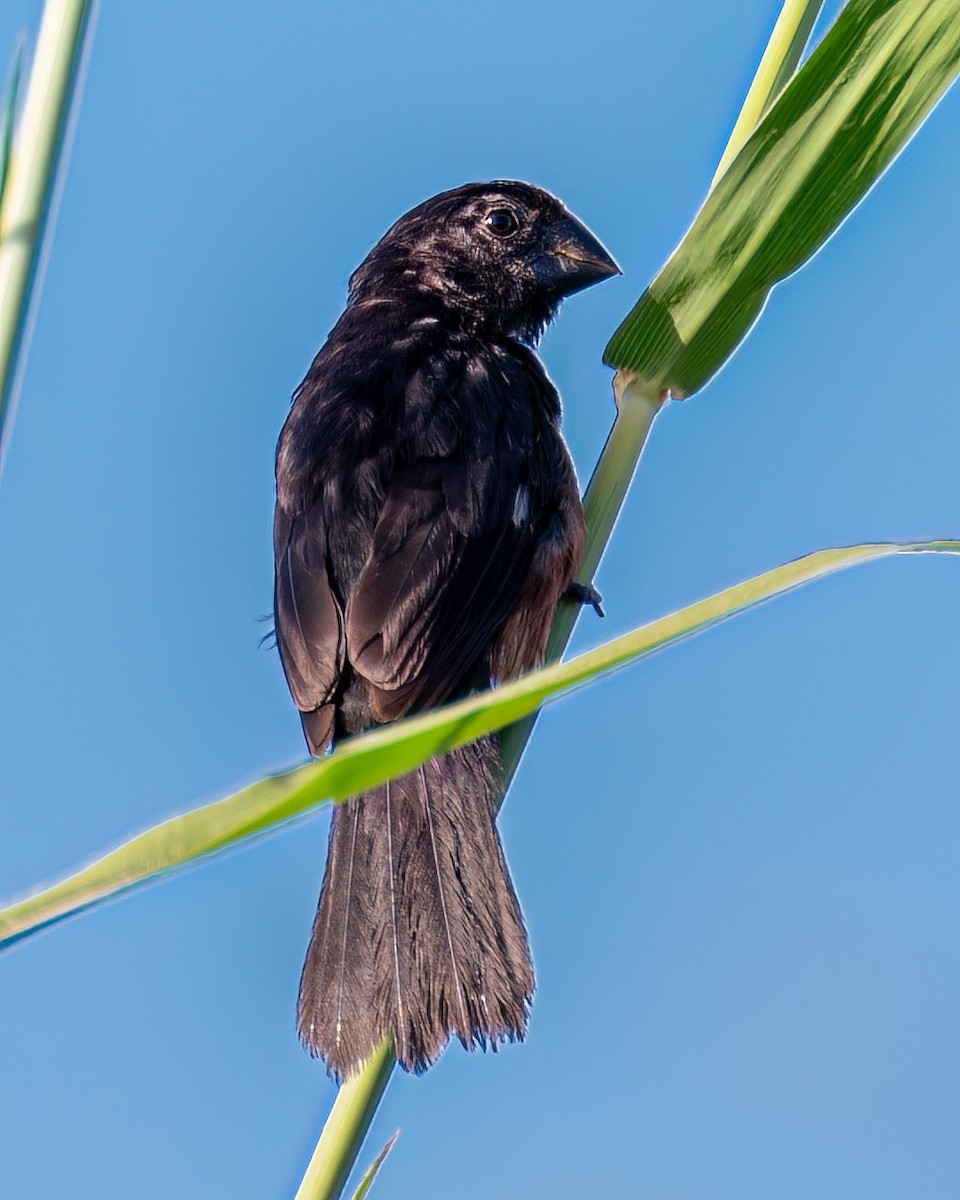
(444, 571)
(309, 621)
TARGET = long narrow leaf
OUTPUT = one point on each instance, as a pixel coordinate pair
(31, 182)
(849, 110)
(371, 1173)
(9, 119)
(368, 760)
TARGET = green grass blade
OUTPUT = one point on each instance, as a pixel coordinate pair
(9, 118)
(780, 59)
(30, 184)
(367, 760)
(371, 1173)
(834, 129)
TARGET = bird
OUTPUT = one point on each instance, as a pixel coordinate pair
(427, 523)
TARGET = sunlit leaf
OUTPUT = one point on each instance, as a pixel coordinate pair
(367, 760)
(9, 119)
(847, 112)
(31, 164)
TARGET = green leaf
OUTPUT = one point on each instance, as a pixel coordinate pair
(9, 118)
(26, 210)
(371, 1173)
(837, 125)
(365, 761)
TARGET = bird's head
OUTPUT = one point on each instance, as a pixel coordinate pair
(496, 257)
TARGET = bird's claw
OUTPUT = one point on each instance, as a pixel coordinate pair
(586, 593)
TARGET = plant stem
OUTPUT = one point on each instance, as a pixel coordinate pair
(346, 1127)
(602, 502)
(780, 59)
(356, 1102)
(30, 184)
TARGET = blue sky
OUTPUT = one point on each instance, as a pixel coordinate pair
(738, 861)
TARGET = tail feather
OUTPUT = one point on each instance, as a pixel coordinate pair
(418, 932)
(337, 985)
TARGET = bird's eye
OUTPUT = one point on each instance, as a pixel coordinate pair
(502, 222)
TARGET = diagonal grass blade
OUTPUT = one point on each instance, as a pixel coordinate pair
(369, 759)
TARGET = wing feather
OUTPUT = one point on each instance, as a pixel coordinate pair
(309, 621)
(445, 568)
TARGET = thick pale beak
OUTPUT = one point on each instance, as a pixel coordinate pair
(576, 258)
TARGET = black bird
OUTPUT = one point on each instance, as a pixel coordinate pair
(428, 521)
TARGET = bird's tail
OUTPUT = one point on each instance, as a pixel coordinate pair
(418, 932)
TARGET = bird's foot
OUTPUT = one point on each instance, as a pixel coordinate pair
(585, 593)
